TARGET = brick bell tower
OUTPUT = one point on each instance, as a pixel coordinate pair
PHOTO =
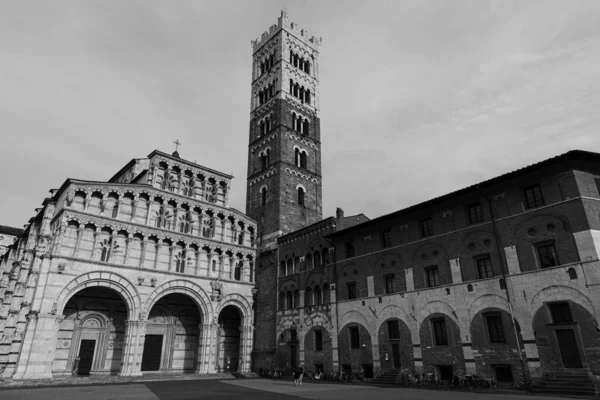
(284, 191)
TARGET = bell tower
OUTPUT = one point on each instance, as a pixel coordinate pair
(284, 191)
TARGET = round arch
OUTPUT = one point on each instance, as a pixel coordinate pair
(181, 286)
(560, 292)
(394, 311)
(488, 301)
(354, 316)
(437, 307)
(241, 303)
(110, 280)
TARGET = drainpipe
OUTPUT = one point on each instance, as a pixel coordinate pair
(504, 265)
(337, 314)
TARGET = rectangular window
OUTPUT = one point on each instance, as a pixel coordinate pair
(389, 284)
(354, 337)
(427, 227)
(432, 276)
(349, 249)
(351, 287)
(547, 255)
(318, 340)
(560, 312)
(484, 267)
(475, 213)
(439, 331)
(533, 196)
(393, 329)
(386, 238)
(495, 328)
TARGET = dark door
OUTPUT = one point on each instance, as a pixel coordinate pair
(568, 348)
(86, 356)
(396, 354)
(293, 356)
(152, 353)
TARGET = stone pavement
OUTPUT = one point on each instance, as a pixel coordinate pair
(246, 389)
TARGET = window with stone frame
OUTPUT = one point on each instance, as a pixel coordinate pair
(389, 283)
(432, 276)
(318, 340)
(484, 267)
(427, 227)
(495, 327)
(475, 213)
(560, 312)
(440, 334)
(354, 337)
(301, 196)
(547, 254)
(386, 238)
(263, 196)
(351, 290)
(533, 196)
(393, 329)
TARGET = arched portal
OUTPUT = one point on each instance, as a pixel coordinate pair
(228, 350)
(91, 335)
(171, 341)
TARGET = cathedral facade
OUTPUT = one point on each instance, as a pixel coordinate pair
(150, 271)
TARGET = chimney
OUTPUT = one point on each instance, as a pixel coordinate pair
(339, 219)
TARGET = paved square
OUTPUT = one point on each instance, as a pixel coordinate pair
(246, 389)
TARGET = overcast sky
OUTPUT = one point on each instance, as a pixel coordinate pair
(418, 98)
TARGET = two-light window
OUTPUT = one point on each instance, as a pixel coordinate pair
(427, 227)
(484, 267)
(475, 213)
(389, 283)
(386, 238)
(351, 289)
(439, 331)
(432, 276)
(533, 196)
(547, 255)
(495, 328)
(349, 249)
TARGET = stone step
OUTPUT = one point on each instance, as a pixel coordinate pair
(566, 390)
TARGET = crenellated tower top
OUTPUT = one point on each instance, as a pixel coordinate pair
(284, 23)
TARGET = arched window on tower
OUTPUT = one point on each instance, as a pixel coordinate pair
(263, 196)
(307, 67)
(291, 57)
(297, 159)
(300, 196)
(289, 300)
(296, 90)
(291, 86)
(303, 160)
(307, 96)
(305, 127)
(260, 98)
(293, 121)
(262, 128)
(268, 125)
(299, 124)
(282, 269)
(296, 60)
(302, 93)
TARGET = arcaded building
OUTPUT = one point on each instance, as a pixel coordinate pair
(149, 271)
(499, 279)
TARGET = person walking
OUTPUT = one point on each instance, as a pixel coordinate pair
(296, 376)
(301, 372)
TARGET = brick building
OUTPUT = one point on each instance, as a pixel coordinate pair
(150, 271)
(499, 279)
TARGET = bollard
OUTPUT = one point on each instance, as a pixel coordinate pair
(75, 366)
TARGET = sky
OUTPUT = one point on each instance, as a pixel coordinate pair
(418, 98)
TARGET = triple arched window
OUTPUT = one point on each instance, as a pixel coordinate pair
(300, 92)
(299, 62)
(265, 126)
(267, 64)
(266, 94)
(265, 159)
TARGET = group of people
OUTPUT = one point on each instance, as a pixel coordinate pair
(299, 374)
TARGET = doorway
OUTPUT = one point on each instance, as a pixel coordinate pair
(152, 352)
(396, 354)
(568, 348)
(293, 360)
(86, 356)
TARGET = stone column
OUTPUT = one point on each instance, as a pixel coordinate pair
(39, 343)
(220, 271)
(197, 266)
(171, 251)
(158, 246)
(86, 201)
(200, 224)
(58, 243)
(95, 244)
(201, 363)
(209, 261)
(118, 207)
(232, 265)
(80, 232)
(143, 252)
(531, 355)
(211, 349)
(127, 248)
(150, 202)
(134, 207)
(131, 361)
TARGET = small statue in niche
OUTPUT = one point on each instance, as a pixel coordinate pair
(217, 290)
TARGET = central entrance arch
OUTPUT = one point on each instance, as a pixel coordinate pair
(228, 350)
(171, 341)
